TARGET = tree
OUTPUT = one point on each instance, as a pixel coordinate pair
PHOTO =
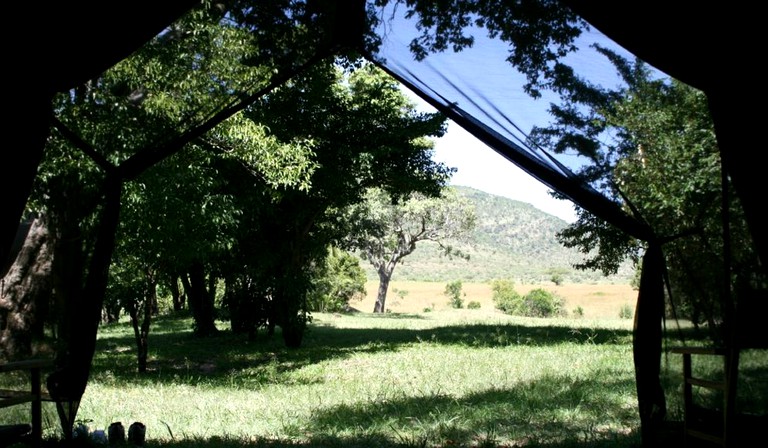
(126, 127)
(108, 131)
(25, 302)
(540, 32)
(653, 147)
(505, 297)
(454, 294)
(133, 287)
(339, 280)
(363, 132)
(129, 108)
(386, 230)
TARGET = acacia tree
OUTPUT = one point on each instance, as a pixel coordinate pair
(385, 230)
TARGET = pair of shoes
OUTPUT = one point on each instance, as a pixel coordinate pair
(136, 434)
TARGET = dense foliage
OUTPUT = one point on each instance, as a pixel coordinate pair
(652, 145)
(337, 282)
(537, 302)
(216, 181)
(454, 294)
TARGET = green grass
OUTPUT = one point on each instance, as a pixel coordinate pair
(445, 378)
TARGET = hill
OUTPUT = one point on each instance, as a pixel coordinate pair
(512, 240)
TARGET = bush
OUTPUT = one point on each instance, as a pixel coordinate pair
(625, 312)
(542, 303)
(505, 298)
(453, 292)
(537, 303)
(337, 281)
(473, 305)
(578, 311)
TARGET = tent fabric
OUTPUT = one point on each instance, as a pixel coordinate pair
(493, 106)
(707, 46)
(696, 45)
(690, 45)
(70, 43)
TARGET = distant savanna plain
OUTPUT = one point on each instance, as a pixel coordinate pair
(594, 300)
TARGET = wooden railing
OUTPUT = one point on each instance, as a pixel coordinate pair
(33, 394)
(720, 432)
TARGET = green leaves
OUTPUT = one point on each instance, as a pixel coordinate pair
(653, 149)
(279, 165)
(538, 32)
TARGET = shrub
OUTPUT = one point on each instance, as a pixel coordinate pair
(542, 303)
(337, 281)
(453, 292)
(473, 305)
(578, 311)
(505, 298)
(537, 303)
(625, 312)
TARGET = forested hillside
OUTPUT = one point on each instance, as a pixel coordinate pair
(512, 240)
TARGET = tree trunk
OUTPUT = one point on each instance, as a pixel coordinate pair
(176, 295)
(385, 275)
(142, 308)
(200, 301)
(154, 304)
(289, 305)
(290, 317)
(149, 310)
(25, 292)
(186, 288)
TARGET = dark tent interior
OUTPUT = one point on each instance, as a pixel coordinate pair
(711, 46)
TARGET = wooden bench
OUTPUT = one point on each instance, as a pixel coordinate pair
(34, 394)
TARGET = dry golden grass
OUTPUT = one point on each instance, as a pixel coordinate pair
(596, 300)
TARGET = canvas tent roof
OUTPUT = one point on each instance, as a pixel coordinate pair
(706, 47)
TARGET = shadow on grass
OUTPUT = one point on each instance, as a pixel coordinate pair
(549, 412)
(175, 352)
(624, 441)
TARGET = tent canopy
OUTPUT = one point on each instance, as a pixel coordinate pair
(696, 46)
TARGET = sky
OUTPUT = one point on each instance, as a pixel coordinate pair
(480, 167)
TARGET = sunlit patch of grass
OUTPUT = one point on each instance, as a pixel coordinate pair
(445, 378)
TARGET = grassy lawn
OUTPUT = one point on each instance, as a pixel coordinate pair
(466, 378)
